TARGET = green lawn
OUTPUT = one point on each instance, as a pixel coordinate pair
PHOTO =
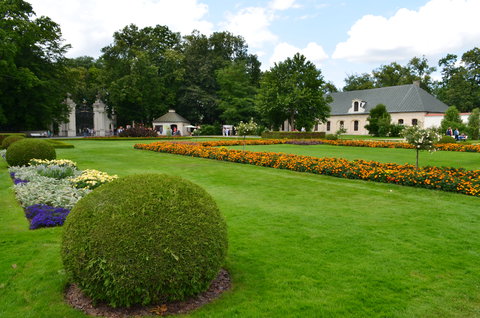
(467, 160)
(300, 245)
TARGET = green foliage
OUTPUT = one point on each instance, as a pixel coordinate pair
(452, 120)
(421, 139)
(293, 135)
(395, 130)
(446, 140)
(393, 74)
(331, 137)
(58, 144)
(56, 172)
(31, 69)
(236, 93)
(5, 135)
(144, 239)
(141, 72)
(21, 152)
(10, 140)
(379, 121)
(209, 130)
(292, 90)
(474, 124)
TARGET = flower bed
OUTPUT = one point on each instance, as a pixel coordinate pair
(48, 189)
(446, 179)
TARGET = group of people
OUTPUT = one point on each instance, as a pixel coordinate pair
(456, 134)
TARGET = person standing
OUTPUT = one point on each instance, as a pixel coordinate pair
(456, 133)
(449, 132)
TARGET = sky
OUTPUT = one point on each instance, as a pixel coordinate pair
(342, 37)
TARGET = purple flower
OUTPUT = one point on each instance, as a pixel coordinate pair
(17, 181)
(12, 175)
(41, 215)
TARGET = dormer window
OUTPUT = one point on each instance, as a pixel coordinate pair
(358, 106)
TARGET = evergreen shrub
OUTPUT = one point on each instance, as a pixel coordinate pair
(21, 152)
(144, 239)
(10, 140)
(138, 132)
(331, 137)
(446, 140)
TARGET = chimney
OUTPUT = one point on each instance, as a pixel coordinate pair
(416, 83)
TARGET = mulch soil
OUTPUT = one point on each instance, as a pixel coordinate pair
(75, 298)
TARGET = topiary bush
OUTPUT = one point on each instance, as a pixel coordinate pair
(144, 239)
(21, 152)
(446, 140)
(10, 140)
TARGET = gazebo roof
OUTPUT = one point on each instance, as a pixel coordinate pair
(171, 117)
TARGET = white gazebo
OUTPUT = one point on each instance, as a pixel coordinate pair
(172, 123)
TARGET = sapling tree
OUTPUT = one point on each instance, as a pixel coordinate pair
(245, 129)
(421, 139)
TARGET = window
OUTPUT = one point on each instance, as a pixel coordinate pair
(400, 121)
(328, 126)
(355, 106)
(355, 125)
(341, 124)
(414, 122)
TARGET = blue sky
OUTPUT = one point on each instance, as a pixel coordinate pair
(340, 36)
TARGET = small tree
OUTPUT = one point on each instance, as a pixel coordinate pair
(452, 120)
(474, 123)
(245, 129)
(379, 121)
(421, 139)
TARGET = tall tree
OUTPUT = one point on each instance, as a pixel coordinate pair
(460, 85)
(31, 69)
(142, 72)
(292, 90)
(236, 93)
(379, 121)
(358, 81)
(474, 123)
(452, 120)
(204, 56)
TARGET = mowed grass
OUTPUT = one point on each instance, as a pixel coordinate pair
(467, 160)
(300, 245)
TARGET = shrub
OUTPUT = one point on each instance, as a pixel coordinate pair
(331, 137)
(22, 151)
(209, 130)
(138, 132)
(446, 140)
(144, 239)
(5, 135)
(10, 140)
(91, 179)
(293, 135)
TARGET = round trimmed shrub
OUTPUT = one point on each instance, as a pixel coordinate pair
(447, 140)
(21, 152)
(10, 140)
(144, 239)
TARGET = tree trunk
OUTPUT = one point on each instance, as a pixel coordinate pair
(417, 159)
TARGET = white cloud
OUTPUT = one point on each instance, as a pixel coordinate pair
(313, 52)
(89, 24)
(281, 5)
(253, 24)
(437, 27)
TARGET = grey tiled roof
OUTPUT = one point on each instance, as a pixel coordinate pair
(171, 117)
(398, 99)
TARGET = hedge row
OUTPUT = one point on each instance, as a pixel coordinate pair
(446, 179)
(293, 135)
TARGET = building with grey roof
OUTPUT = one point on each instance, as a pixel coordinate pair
(407, 104)
(172, 123)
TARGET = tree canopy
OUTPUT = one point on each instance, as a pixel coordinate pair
(379, 121)
(293, 90)
(32, 69)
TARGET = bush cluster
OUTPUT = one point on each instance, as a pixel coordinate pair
(446, 140)
(138, 132)
(209, 130)
(21, 152)
(10, 140)
(144, 239)
(293, 135)
(5, 135)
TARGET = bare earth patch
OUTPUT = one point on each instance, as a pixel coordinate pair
(78, 300)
